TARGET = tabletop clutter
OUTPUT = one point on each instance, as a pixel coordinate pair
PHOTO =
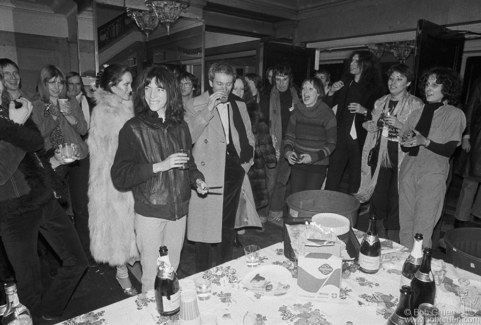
(324, 249)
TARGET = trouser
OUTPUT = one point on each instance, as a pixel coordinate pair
(233, 178)
(348, 154)
(78, 184)
(421, 197)
(277, 179)
(20, 234)
(151, 233)
(303, 180)
(467, 196)
(384, 203)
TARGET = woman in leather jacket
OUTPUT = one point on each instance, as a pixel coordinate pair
(150, 162)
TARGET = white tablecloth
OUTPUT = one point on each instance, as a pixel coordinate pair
(365, 299)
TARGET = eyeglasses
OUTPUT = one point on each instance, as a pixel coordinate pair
(185, 84)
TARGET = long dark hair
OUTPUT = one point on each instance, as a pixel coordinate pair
(452, 84)
(174, 109)
(371, 75)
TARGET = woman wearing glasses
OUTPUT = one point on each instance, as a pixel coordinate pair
(60, 120)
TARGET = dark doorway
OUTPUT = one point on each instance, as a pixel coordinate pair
(471, 74)
(300, 59)
(436, 46)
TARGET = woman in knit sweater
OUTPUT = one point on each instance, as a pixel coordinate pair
(310, 138)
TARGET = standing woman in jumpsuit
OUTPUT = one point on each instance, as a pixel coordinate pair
(430, 136)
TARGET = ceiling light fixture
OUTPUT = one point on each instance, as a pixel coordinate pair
(164, 11)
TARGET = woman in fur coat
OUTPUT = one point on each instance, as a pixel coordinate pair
(111, 211)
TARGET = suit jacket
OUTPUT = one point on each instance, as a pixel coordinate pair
(205, 212)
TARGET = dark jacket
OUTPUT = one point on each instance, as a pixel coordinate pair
(264, 156)
(27, 181)
(368, 98)
(144, 141)
(473, 128)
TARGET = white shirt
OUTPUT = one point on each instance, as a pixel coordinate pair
(223, 110)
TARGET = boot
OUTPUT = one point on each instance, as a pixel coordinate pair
(459, 223)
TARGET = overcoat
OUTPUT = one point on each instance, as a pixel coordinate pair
(205, 212)
(111, 212)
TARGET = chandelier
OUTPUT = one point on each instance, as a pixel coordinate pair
(164, 11)
(401, 50)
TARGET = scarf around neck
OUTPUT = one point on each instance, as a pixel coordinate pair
(247, 152)
(424, 123)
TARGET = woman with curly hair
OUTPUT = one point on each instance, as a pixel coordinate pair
(149, 162)
(429, 136)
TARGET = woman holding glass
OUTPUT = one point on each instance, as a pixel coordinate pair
(310, 138)
(60, 120)
(382, 154)
(150, 162)
(429, 136)
(111, 211)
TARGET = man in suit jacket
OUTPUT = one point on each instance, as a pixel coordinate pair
(472, 175)
(223, 150)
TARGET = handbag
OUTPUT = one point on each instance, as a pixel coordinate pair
(374, 153)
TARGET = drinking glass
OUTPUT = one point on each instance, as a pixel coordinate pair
(64, 105)
(252, 255)
(68, 152)
(186, 165)
(203, 288)
(189, 310)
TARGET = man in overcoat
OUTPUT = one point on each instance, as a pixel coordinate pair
(472, 175)
(223, 150)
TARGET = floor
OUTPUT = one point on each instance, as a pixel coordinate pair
(99, 288)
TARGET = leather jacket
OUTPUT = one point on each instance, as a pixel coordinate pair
(144, 141)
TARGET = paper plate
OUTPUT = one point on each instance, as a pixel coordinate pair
(268, 280)
(335, 222)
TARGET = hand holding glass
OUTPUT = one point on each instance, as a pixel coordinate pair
(68, 152)
(64, 106)
(186, 164)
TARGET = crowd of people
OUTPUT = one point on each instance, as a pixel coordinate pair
(157, 161)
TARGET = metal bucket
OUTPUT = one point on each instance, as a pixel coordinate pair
(303, 205)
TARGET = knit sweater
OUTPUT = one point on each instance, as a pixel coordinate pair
(312, 130)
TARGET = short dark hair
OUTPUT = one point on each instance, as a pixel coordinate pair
(222, 67)
(4, 62)
(189, 76)
(282, 69)
(452, 84)
(111, 76)
(403, 69)
(256, 79)
(72, 74)
(317, 84)
(48, 72)
(324, 72)
(174, 109)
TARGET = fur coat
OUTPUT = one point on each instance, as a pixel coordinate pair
(111, 212)
(264, 156)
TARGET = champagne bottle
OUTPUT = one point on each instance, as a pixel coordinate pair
(370, 251)
(422, 285)
(167, 289)
(402, 314)
(16, 313)
(412, 263)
